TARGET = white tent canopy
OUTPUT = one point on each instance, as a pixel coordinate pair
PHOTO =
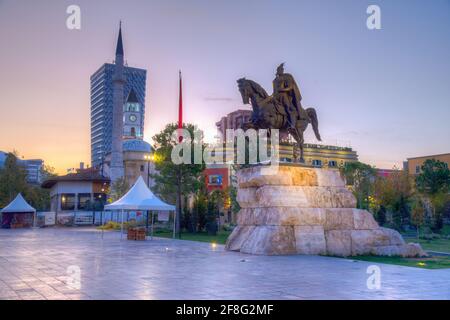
(18, 205)
(140, 197)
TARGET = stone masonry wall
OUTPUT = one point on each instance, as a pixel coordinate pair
(303, 210)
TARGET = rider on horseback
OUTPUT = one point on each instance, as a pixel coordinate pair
(287, 93)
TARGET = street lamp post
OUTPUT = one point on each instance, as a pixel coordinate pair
(148, 158)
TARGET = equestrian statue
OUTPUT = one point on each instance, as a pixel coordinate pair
(282, 110)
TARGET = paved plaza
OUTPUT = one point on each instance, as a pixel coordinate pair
(35, 264)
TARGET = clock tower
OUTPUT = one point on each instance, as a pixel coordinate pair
(132, 117)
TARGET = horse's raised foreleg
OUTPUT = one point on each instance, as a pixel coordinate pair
(301, 160)
(297, 134)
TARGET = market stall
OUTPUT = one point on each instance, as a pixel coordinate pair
(139, 197)
(18, 214)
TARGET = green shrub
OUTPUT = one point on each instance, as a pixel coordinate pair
(430, 236)
(110, 225)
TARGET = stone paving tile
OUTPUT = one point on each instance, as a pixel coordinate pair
(34, 265)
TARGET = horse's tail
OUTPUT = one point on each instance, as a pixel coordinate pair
(315, 123)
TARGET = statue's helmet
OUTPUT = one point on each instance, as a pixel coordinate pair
(241, 82)
(280, 68)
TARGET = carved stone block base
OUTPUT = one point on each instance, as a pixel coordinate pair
(302, 210)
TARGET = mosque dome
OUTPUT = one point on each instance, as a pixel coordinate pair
(136, 145)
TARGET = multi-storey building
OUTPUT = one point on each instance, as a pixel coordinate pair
(233, 120)
(414, 165)
(322, 156)
(221, 175)
(33, 167)
(102, 106)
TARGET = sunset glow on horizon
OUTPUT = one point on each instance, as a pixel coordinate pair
(384, 92)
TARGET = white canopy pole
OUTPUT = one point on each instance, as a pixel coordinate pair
(153, 220)
(174, 222)
(121, 224)
(139, 197)
(101, 222)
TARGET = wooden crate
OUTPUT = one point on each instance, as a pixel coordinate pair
(131, 235)
(138, 234)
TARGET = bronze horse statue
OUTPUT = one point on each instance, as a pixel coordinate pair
(270, 114)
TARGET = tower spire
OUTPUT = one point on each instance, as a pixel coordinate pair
(116, 167)
(119, 47)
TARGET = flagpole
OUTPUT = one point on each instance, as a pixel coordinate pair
(180, 109)
(180, 139)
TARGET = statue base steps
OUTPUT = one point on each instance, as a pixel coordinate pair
(303, 210)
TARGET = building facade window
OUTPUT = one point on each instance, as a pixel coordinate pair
(317, 163)
(133, 131)
(99, 201)
(68, 201)
(215, 180)
(84, 201)
(417, 169)
(132, 107)
(332, 163)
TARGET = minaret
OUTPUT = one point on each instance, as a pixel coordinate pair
(117, 170)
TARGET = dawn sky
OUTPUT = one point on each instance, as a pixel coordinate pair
(386, 93)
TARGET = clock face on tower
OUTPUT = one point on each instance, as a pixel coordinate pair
(132, 118)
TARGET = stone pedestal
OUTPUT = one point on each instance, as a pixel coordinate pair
(303, 210)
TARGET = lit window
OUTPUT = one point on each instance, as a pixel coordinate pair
(99, 201)
(68, 201)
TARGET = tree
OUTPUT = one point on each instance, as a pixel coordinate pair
(381, 215)
(37, 197)
(434, 177)
(118, 189)
(215, 203)
(217, 198)
(235, 207)
(199, 211)
(187, 221)
(384, 192)
(173, 181)
(12, 180)
(361, 177)
(401, 212)
(48, 172)
(417, 215)
(389, 190)
(434, 183)
(438, 201)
